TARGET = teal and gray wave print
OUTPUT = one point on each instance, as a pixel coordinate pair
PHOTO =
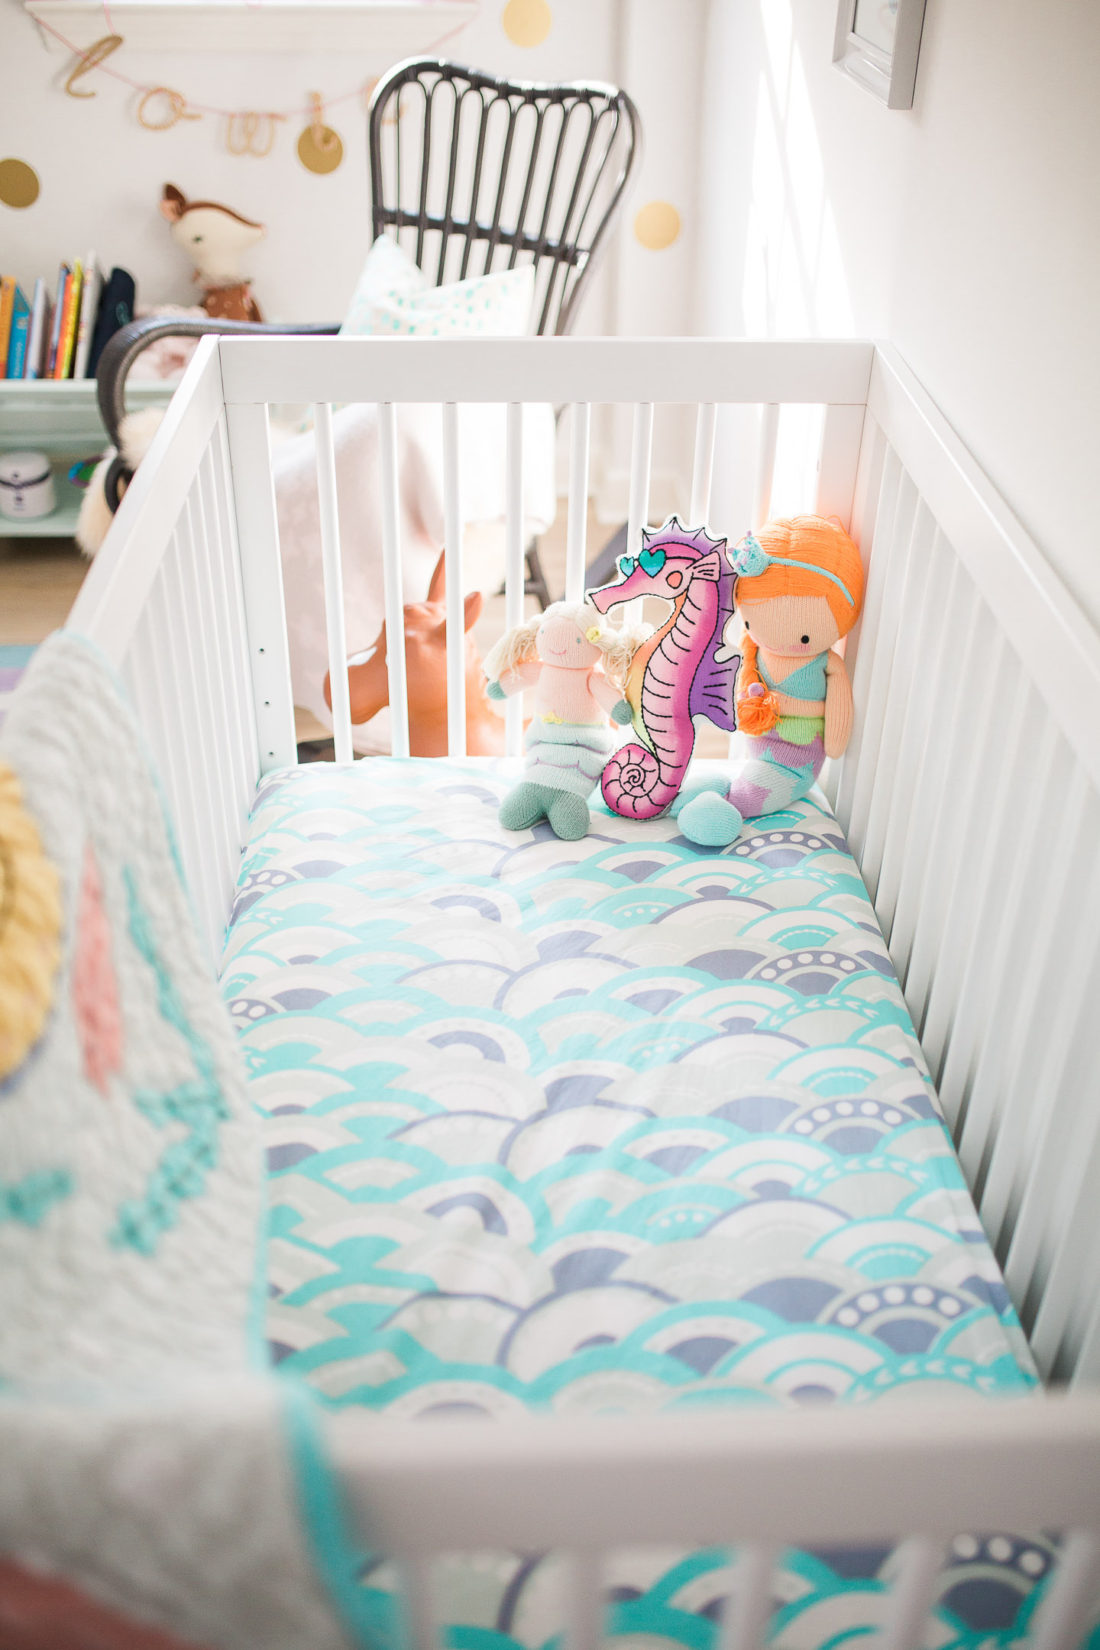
(614, 1125)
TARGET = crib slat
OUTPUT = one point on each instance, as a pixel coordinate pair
(452, 566)
(422, 1627)
(914, 863)
(702, 470)
(641, 459)
(391, 574)
(838, 462)
(1062, 1619)
(748, 1608)
(233, 640)
(866, 505)
(514, 560)
(919, 1561)
(1051, 905)
(185, 738)
(332, 578)
(235, 610)
(915, 737)
(584, 1605)
(982, 1012)
(230, 678)
(1056, 1230)
(1065, 1068)
(1086, 1371)
(210, 880)
(890, 775)
(878, 556)
(262, 582)
(949, 842)
(225, 843)
(576, 558)
(900, 573)
(149, 694)
(962, 944)
(765, 463)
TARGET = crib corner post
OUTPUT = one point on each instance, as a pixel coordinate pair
(262, 582)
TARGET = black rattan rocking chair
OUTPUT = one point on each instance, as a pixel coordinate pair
(471, 174)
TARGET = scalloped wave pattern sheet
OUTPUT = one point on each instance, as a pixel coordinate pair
(615, 1125)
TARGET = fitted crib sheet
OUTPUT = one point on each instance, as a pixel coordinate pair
(615, 1125)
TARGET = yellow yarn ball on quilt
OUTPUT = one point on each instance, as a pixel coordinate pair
(30, 927)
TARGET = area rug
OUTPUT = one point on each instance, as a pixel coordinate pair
(13, 662)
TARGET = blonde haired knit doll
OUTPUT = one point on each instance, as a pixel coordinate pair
(568, 739)
(799, 590)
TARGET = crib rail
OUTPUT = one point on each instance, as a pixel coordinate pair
(970, 789)
(172, 600)
(842, 1476)
(970, 798)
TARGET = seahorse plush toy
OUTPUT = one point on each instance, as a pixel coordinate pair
(680, 672)
(799, 589)
(568, 738)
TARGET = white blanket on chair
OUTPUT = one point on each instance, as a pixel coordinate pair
(420, 503)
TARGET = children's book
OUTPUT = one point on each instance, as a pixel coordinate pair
(40, 324)
(17, 344)
(89, 302)
(66, 344)
(116, 308)
(63, 275)
(7, 302)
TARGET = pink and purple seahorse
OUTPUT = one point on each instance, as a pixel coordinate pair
(676, 674)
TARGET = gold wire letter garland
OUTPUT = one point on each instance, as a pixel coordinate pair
(89, 60)
(245, 133)
(177, 109)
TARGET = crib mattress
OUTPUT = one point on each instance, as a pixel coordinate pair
(616, 1125)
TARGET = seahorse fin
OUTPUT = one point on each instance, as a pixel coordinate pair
(711, 692)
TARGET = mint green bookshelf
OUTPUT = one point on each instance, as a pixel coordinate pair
(60, 418)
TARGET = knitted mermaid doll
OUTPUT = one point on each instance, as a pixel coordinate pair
(568, 739)
(799, 589)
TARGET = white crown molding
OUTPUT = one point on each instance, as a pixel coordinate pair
(381, 29)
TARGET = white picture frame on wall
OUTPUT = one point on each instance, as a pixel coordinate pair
(877, 43)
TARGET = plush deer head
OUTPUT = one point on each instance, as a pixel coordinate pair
(214, 237)
(426, 672)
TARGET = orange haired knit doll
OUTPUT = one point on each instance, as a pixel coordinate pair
(799, 589)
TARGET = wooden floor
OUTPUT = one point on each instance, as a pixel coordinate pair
(39, 579)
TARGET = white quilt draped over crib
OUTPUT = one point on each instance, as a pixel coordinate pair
(142, 1443)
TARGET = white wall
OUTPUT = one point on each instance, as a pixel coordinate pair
(967, 230)
(102, 173)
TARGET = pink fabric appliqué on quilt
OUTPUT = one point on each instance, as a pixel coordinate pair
(95, 987)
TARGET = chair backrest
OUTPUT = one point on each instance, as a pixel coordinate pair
(475, 174)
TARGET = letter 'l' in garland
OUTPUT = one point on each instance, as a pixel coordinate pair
(248, 131)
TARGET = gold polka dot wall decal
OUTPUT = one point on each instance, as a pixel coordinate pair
(319, 147)
(527, 22)
(657, 225)
(19, 184)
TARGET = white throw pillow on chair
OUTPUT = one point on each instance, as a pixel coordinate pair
(394, 298)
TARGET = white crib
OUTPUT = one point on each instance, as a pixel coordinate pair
(970, 795)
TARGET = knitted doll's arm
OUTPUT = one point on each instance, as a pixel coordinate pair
(516, 679)
(607, 695)
(838, 706)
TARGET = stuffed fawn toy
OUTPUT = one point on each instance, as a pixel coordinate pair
(215, 238)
